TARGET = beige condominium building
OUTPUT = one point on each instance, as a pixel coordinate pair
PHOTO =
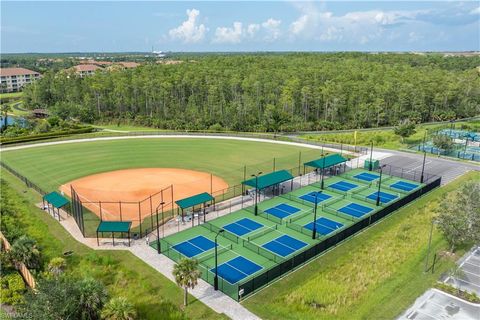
(13, 79)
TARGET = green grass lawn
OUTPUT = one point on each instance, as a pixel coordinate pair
(124, 127)
(11, 95)
(382, 138)
(51, 166)
(374, 275)
(120, 271)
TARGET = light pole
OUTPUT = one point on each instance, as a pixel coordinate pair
(215, 280)
(158, 227)
(315, 215)
(429, 245)
(424, 156)
(323, 169)
(256, 191)
(379, 185)
(370, 166)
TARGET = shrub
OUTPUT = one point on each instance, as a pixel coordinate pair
(12, 289)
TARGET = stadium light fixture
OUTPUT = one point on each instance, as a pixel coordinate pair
(158, 227)
(315, 215)
(215, 280)
(379, 184)
(256, 191)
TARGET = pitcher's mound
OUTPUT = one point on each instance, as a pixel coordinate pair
(126, 194)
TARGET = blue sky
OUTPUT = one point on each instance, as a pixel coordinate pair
(240, 26)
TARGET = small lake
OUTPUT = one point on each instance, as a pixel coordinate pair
(12, 120)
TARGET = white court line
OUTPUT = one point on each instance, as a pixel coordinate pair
(419, 166)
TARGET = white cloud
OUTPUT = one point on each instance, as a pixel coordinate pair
(475, 11)
(272, 28)
(229, 35)
(189, 31)
(252, 29)
(268, 30)
(354, 27)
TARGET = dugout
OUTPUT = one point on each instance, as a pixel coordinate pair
(56, 201)
(273, 179)
(195, 200)
(114, 227)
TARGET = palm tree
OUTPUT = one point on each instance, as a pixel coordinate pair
(5, 109)
(24, 250)
(92, 297)
(56, 266)
(119, 308)
(186, 275)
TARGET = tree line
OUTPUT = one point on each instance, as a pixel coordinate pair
(269, 92)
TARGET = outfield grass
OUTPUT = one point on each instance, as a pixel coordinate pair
(120, 271)
(51, 166)
(374, 275)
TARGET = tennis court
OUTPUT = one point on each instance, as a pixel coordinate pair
(237, 269)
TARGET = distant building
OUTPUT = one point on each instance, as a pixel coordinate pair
(84, 70)
(128, 65)
(40, 113)
(13, 79)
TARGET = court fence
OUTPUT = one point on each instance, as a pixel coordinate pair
(283, 266)
(257, 282)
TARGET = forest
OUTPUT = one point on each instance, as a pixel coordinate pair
(269, 92)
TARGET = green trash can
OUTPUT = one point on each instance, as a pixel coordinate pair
(375, 164)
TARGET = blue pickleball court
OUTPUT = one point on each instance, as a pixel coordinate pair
(242, 226)
(284, 245)
(310, 197)
(404, 186)
(366, 176)
(324, 226)
(194, 246)
(355, 210)
(282, 210)
(343, 186)
(384, 197)
(237, 269)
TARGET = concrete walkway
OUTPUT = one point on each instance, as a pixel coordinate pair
(52, 143)
(204, 292)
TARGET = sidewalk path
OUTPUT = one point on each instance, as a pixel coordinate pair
(204, 292)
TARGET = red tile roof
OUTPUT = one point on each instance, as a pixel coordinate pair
(86, 67)
(127, 64)
(6, 72)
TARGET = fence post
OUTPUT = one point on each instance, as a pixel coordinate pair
(120, 206)
(140, 218)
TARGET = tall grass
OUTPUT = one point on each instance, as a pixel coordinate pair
(365, 277)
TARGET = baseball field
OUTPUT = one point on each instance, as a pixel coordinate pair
(130, 170)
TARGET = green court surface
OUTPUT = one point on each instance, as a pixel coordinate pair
(252, 247)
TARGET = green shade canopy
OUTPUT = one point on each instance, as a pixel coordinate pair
(194, 200)
(330, 161)
(56, 199)
(114, 226)
(269, 179)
